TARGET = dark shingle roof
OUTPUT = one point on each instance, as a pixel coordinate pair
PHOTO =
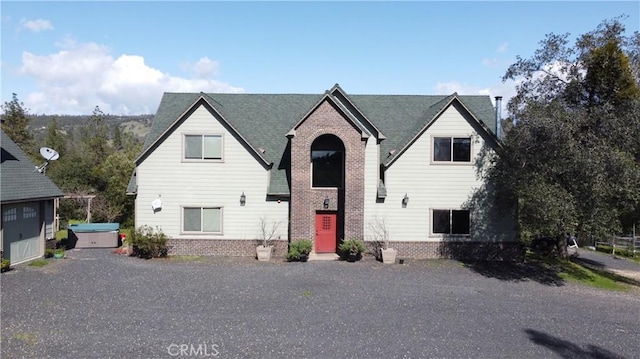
(19, 181)
(263, 120)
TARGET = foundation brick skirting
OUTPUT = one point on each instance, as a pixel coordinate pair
(223, 247)
(499, 251)
(494, 251)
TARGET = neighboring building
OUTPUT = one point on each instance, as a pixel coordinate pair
(324, 167)
(28, 205)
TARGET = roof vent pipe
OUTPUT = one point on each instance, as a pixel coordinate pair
(499, 117)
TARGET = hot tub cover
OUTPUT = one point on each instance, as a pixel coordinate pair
(94, 227)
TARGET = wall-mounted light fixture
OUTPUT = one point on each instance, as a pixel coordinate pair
(243, 199)
(405, 201)
(326, 202)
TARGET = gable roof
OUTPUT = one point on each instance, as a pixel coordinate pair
(262, 121)
(19, 180)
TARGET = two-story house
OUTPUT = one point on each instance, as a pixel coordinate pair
(218, 168)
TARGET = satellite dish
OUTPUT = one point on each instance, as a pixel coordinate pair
(49, 154)
(156, 205)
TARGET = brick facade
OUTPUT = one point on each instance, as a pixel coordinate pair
(306, 201)
(220, 247)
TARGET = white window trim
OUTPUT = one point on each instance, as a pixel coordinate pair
(201, 160)
(200, 233)
(443, 235)
(452, 163)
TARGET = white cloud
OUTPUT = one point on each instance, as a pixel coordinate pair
(36, 25)
(203, 68)
(503, 47)
(490, 62)
(505, 89)
(82, 76)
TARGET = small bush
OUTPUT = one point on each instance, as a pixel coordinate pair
(6, 264)
(48, 253)
(298, 249)
(148, 243)
(352, 247)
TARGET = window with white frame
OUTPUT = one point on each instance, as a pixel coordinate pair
(202, 219)
(203, 147)
(451, 221)
(452, 149)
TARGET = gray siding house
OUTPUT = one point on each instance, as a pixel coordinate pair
(28, 201)
(216, 168)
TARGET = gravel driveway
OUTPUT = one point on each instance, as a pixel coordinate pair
(96, 304)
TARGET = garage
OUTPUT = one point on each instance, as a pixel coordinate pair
(21, 232)
(28, 200)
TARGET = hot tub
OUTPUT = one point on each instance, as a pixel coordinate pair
(94, 235)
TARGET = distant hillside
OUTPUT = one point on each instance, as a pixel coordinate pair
(139, 125)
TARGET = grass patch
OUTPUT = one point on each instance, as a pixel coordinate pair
(570, 271)
(61, 234)
(574, 272)
(39, 263)
(28, 338)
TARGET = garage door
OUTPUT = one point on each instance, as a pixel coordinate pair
(21, 232)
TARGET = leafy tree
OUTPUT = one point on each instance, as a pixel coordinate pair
(114, 203)
(572, 160)
(55, 139)
(15, 122)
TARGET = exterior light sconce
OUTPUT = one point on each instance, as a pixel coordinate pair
(243, 199)
(326, 202)
(405, 201)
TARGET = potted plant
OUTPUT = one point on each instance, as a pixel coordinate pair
(352, 249)
(381, 237)
(6, 264)
(59, 253)
(299, 250)
(263, 251)
(48, 253)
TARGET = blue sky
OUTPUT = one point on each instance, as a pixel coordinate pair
(68, 57)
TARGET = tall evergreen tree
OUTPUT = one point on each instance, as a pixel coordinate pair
(15, 122)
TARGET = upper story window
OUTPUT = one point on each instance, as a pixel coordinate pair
(203, 147)
(452, 149)
(327, 161)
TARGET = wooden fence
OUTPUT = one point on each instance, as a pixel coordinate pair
(630, 244)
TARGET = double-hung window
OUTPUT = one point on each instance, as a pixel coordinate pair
(203, 147)
(452, 149)
(450, 221)
(202, 219)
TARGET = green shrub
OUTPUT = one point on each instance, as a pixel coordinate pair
(6, 264)
(148, 243)
(48, 253)
(352, 247)
(298, 249)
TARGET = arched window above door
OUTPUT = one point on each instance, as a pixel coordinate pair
(327, 162)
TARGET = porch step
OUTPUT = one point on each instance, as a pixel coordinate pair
(323, 256)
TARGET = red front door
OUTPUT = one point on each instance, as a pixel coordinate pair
(326, 231)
